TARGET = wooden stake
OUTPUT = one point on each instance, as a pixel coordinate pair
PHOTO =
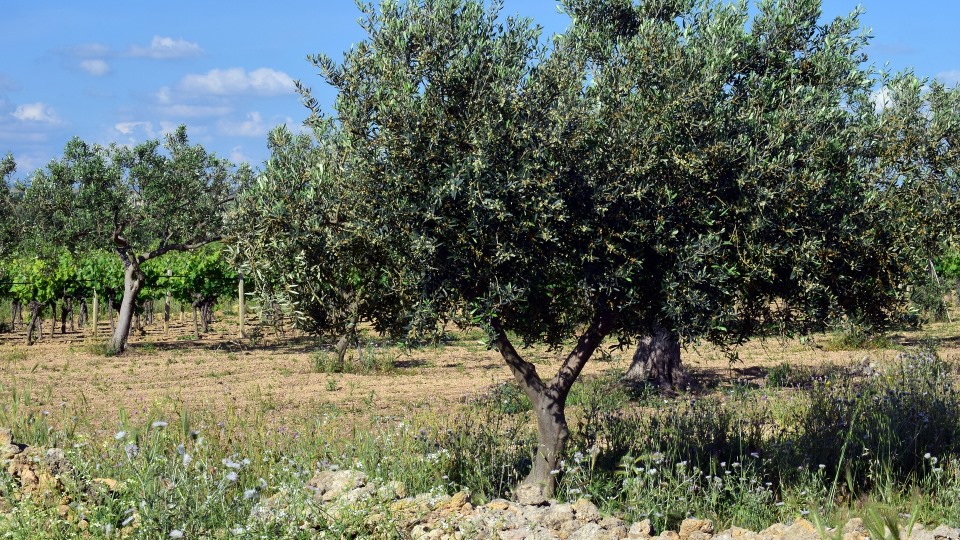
(166, 306)
(96, 312)
(242, 306)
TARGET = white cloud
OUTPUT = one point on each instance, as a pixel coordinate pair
(882, 98)
(222, 82)
(950, 77)
(253, 126)
(36, 112)
(165, 47)
(95, 67)
(237, 156)
(128, 128)
(194, 111)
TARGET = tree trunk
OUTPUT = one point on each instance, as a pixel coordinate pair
(64, 313)
(196, 324)
(35, 309)
(53, 318)
(84, 314)
(549, 400)
(657, 360)
(16, 315)
(133, 280)
(552, 436)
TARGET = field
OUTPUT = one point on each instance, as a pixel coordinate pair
(278, 373)
(447, 418)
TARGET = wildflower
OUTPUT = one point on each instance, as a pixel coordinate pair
(181, 449)
(926, 456)
(127, 521)
(237, 531)
(781, 503)
(555, 472)
(249, 493)
(804, 512)
(121, 434)
(176, 533)
(159, 424)
(755, 455)
(132, 450)
(822, 466)
(652, 471)
(231, 477)
(187, 458)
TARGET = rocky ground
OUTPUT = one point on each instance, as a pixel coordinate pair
(39, 474)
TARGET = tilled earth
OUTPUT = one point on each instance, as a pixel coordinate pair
(276, 373)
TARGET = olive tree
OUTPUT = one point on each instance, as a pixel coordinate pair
(140, 203)
(670, 168)
(294, 235)
(7, 167)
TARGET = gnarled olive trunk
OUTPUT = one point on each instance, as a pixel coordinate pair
(657, 361)
(133, 280)
(549, 401)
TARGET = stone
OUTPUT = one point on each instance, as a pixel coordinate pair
(801, 529)
(498, 504)
(586, 511)
(7, 451)
(773, 532)
(735, 533)
(668, 535)
(529, 495)
(555, 516)
(615, 526)
(640, 530)
(696, 529)
(940, 533)
(591, 531)
(38, 473)
(329, 485)
(111, 484)
(392, 490)
(856, 525)
(6, 436)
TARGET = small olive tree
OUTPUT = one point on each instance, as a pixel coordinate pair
(294, 234)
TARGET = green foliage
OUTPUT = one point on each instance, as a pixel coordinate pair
(714, 173)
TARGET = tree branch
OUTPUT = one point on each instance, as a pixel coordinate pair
(586, 345)
(524, 372)
(185, 246)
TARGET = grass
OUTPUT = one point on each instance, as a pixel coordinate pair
(826, 443)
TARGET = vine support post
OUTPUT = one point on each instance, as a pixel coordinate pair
(96, 312)
(242, 307)
(166, 305)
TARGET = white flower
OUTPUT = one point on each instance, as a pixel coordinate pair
(176, 533)
(187, 458)
(231, 477)
(127, 521)
(159, 424)
(249, 493)
(926, 456)
(121, 434)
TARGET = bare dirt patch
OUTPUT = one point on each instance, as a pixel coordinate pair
(276, 376)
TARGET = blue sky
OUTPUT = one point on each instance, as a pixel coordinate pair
(111, 71)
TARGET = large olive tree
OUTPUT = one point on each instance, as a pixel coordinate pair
(139, 202)
(667, 168)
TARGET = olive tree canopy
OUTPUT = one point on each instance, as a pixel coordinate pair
(665, 166)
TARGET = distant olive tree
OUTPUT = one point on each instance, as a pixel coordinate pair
(140, 203)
